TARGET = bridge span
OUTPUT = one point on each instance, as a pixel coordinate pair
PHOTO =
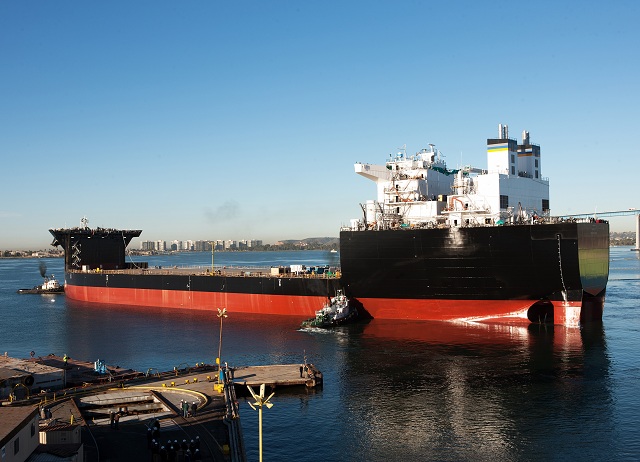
(618, 213)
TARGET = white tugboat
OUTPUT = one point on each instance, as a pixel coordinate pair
(336, 312)
(49, 286)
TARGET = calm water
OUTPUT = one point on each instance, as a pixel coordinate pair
(393, 390)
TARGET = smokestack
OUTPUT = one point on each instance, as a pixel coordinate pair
(525, 137)
(503, 131)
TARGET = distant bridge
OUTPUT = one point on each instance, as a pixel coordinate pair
(618, 213)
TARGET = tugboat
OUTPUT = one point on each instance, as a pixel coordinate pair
(49, 286)
(336, 312)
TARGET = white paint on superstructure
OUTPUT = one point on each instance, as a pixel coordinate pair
(420, 191)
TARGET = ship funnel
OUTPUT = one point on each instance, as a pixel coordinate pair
(503, 131)
(525, 137)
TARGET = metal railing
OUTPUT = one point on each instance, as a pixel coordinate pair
(237, 450)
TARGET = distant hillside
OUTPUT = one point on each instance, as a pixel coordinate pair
(623, 238)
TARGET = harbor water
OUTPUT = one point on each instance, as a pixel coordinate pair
(392, 390)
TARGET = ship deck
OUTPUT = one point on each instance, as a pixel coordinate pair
(230, 271)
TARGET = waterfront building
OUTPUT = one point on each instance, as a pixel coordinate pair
(147, 245)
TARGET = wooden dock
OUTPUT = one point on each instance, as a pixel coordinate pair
(278, 375)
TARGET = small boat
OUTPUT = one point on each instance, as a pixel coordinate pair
(336, 312)
(49, 286)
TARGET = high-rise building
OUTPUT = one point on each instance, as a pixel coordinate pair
(147, 245)
(202, 246)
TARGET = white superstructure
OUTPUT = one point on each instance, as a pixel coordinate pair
(420, 191)
(50, 284)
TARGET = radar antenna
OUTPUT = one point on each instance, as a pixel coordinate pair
(402, 151)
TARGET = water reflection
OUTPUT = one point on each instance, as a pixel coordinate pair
(145, 337)
(442, 391)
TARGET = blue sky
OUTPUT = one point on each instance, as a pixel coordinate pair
(232, 120)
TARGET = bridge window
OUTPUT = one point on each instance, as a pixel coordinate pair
(504, 201)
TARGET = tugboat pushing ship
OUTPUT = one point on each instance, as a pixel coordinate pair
(50, 285)
(475, 245)
(335, 313)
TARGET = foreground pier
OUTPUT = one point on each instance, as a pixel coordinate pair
(125, 415)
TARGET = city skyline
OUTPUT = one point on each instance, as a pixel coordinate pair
(222, 119)
(202, 245)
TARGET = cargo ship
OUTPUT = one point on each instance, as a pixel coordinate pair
(437, 244)
(97, 270)
(473, 245)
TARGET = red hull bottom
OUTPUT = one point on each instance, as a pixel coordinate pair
(496, 311)
(240, 303)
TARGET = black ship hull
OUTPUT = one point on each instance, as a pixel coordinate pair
(553, 273)
(286, 295)
(543, 272)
